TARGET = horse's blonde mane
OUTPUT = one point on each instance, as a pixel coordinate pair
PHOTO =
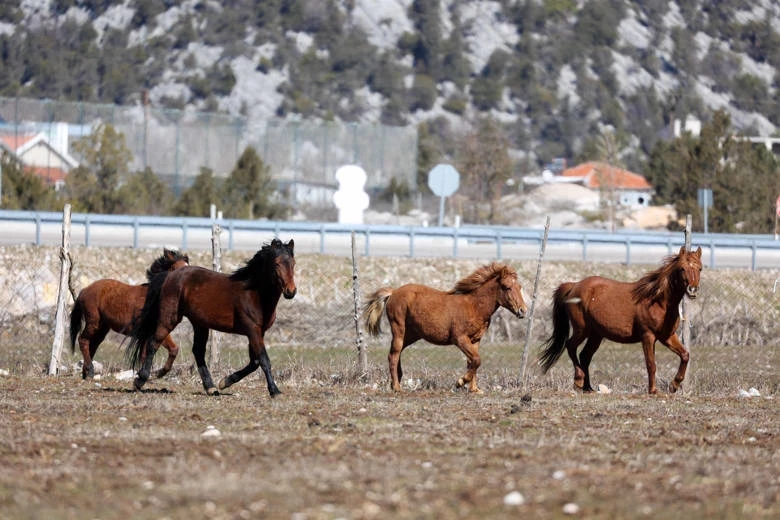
(481, 276)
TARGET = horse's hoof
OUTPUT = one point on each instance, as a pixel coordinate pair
(460, 383)
(222, 383)
(212, 391)
(161, 373)
(137, 385)
(476, 391)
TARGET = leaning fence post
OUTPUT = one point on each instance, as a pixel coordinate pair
(542, 249)
(216, 265)
(361, 348)
(686, 330)
(62, 294)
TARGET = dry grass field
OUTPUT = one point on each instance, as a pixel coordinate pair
(335, 445)
(339, 448)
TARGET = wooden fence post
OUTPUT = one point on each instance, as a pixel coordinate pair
(216, 265)
(62, 294)
(542, 249)
(361, 347)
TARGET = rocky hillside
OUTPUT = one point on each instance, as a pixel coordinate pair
(554, 72)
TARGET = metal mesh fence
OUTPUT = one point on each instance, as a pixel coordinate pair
(176, 144)
(314, 334)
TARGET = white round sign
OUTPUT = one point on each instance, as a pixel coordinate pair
(443, 180)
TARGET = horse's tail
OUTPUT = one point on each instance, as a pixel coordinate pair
(373, 310)
(553, 347)
(76, 317)
(145, 323)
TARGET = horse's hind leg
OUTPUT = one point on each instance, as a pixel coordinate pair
(394, 361)
(89, 341)
(571, 348)
(586, 355)
(173, 351)
(199, 341)
(147, 357)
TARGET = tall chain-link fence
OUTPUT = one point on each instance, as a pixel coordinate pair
(314, 336)
(176, 144)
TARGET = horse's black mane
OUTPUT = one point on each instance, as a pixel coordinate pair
(164, 262)
(254, 273)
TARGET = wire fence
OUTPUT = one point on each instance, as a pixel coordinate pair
(176, 144)
(314, 336)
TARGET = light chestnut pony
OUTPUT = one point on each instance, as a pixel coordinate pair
(642, 311)
(457, 317)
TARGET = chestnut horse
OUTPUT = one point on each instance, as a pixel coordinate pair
(642, 311)
(110, 304)
(240, 303)
(460, 316)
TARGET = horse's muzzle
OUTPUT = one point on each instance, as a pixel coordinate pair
(289, 295)
(520, 313)
(692, 291)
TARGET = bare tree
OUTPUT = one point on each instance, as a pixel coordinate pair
(608, 149)
(484, 163)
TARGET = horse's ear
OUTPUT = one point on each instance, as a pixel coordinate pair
(698, 252)
(291, 245)
(682, 251)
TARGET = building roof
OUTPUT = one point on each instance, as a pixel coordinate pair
(594, 174)
(15, 142)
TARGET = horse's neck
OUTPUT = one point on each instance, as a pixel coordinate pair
(487, 298)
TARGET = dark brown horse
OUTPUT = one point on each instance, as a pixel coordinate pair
(112, 305)
(240, 303)
(458, 317)
(642, 311)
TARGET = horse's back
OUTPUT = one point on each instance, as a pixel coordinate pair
(425, 312)
(603, 305)
(113, 301)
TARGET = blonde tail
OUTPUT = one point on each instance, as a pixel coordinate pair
(373, 310)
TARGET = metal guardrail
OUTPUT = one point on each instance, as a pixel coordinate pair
(498, 236)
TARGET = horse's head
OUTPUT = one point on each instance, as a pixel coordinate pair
(170, 260)
(511, 293)
(175, 259)
(689, 264)
(284, 266)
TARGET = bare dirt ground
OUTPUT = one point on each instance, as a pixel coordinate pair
(350, 449)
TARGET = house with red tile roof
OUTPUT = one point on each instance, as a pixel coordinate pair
(631, 188)
(38, 156)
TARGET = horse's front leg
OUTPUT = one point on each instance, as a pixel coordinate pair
(173, 351)
(199, 341)
(473, 361)
(258, 357)
(675, 345)
(648, 348)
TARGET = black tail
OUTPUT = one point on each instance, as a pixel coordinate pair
(146, 322)
(76, 316)
(553, 347)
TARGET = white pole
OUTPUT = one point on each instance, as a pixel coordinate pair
(62, 294)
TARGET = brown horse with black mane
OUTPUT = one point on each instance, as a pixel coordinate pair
(110, 304)
(642, 311)
(457, 317)
(240, 303)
